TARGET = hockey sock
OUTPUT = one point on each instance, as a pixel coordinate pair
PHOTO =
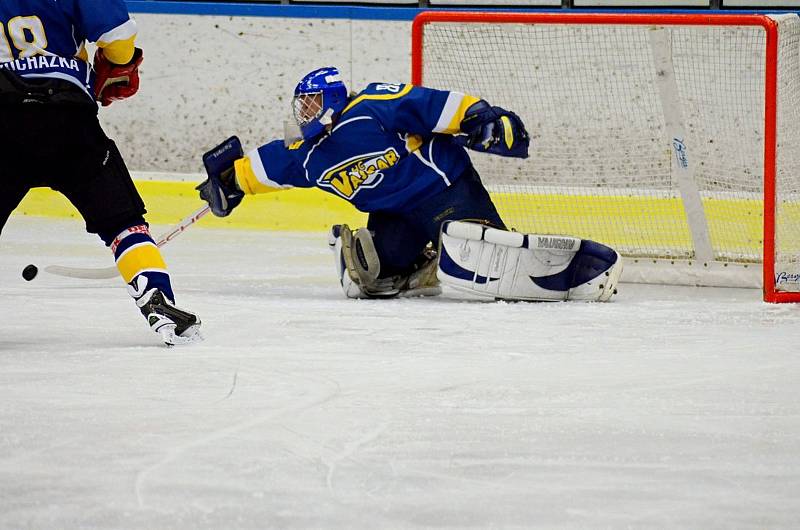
(138, 257)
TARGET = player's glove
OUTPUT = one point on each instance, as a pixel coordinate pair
(114, 82)
(220, 190)
(494, 130)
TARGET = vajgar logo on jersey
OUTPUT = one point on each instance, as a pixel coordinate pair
(362, 171)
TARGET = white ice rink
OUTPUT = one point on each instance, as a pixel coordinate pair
(668, 408)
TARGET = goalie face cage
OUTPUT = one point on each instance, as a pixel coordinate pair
(674, 138)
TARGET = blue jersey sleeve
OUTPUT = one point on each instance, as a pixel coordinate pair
(413, 109)
(272, 167)
(102, 20)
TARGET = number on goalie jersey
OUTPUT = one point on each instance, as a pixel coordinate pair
(48, 91)
(394, 151)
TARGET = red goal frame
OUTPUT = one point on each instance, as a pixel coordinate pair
(770, 110)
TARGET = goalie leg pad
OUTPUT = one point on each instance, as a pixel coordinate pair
(349, 285)
(358, 268)
(596, 270)
(358, 264)
(514, 266)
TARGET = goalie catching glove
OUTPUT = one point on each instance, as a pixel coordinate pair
(114, 82)
(220, 190)
(494, 130)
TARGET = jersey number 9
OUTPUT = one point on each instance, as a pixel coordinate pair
(388, 88)
(27, 34)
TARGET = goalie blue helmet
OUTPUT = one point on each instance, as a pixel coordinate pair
(319, 98)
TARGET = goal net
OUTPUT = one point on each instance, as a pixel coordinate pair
(673, 138)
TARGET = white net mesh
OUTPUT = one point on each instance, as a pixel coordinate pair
(787, 180)
(601, 164)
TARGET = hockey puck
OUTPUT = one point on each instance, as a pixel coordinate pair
(30, 272)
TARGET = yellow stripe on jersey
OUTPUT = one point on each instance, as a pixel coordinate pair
(413, 141)
(363, 97)
(118, 42)
(453, 112)
(144, 256)
(82, 54)
(118, 51)
(247, 180)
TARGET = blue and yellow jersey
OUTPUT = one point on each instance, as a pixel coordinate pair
(46, 38)
(391, 147)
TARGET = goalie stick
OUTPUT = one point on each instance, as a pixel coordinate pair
(110, 272)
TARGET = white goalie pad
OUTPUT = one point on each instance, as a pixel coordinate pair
(350, 286)
(515, 266)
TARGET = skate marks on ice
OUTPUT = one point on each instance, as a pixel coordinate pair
(668, 407)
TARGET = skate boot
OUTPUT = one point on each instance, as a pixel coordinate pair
(174, 325)
(423, 281)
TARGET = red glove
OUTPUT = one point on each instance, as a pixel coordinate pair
(114, 82)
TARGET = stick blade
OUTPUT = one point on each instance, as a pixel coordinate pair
(85, 274)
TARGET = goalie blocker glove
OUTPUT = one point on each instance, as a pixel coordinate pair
(494, 130)
(219, 190)
(114, 82)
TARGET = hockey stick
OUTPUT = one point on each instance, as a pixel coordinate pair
(110, 272)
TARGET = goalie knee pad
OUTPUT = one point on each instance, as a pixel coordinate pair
(516, 266)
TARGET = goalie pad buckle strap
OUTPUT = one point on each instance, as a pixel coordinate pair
(515, 266)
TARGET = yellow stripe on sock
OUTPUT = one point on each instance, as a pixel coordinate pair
(138, 258)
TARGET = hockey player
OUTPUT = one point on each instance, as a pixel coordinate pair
(51, 135)
(398, 152)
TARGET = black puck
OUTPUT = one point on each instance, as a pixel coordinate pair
(30, 272)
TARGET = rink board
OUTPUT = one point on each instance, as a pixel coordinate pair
(578, 215)
(168, 202)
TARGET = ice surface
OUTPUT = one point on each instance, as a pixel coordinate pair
(668, 408)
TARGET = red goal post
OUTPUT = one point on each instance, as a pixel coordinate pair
(671, 130)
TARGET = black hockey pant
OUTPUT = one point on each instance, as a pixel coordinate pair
(60, 144)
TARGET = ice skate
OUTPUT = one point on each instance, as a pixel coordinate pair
(174, 325)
